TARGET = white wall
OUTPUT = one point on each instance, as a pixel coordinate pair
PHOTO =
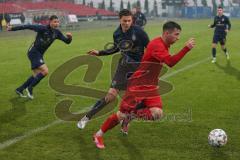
(209, 2)
(117, 2)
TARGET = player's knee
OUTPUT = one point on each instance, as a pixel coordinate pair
(109, 98)
(214, 45)
(121, 115)
(156, 113)
(45, 72)
(111, 95)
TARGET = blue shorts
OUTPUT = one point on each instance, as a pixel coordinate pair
(36, 58)
(219, 38)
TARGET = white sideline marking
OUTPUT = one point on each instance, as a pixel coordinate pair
(10, 142)
(184, 68)
(27, 134)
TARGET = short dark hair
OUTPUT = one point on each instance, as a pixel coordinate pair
(124, 12)
(170, 25)
(52, 17)
(220, 7)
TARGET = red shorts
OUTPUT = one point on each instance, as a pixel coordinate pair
(131, 99)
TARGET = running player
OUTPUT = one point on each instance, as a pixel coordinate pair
(143, 84)
(131, 41)
(139, 18)
(222, 26)
(45, 37)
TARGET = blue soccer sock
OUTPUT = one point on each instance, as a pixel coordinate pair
(36, 80)
(225, 50)
(96, 108)
(26, 83)
(214, 52)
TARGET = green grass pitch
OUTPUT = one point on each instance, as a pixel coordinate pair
(205, 96)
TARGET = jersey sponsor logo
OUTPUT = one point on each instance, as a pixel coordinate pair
(123, 46)
(41, 61)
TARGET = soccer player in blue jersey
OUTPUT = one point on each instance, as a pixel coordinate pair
(45, 37)
(131, 41)
(139, 18)
(222, 26)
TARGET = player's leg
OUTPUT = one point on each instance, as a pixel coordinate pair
(119, 82)
(214, 51)
(125, 123)
(36, 60)
(153, 109)
(223, 46)
(146, 99)
(156, 112)
(39, 73)
(99, 105)
(109, 123)
(147, 109)
(214, 45)
(153, 113)
(114, 119)
(225, 51)
(111, 96)
(20, 89)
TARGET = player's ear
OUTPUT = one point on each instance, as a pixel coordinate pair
(166, 32)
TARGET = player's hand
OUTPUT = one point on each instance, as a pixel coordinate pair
(93, 52)
(226, 30)
(190, 43)
(9, 27)
(69, 35)
(209, 26)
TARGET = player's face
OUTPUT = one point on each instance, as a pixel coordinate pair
(126, 22)
(220, 11)
(173, 36)
(134, 10)
(54, 23)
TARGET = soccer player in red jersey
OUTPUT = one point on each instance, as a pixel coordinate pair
(143, 84)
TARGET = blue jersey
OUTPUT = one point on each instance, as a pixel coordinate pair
(137, 36)
(139, 19)
(45, 36)
(221, 23)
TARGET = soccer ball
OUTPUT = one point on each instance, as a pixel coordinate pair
(217, 138)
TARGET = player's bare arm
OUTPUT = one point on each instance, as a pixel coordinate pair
(93, 52)
(190, 43)
(9, 27)
(69, 35)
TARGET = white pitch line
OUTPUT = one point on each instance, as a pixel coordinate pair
(184, 68)
(10, 142)
(28, 134)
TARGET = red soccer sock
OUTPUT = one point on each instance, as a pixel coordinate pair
(145, 114)
(111, 122)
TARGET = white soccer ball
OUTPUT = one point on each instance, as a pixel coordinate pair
(217, 138)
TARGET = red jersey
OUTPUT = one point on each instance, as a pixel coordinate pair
(146, 76)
